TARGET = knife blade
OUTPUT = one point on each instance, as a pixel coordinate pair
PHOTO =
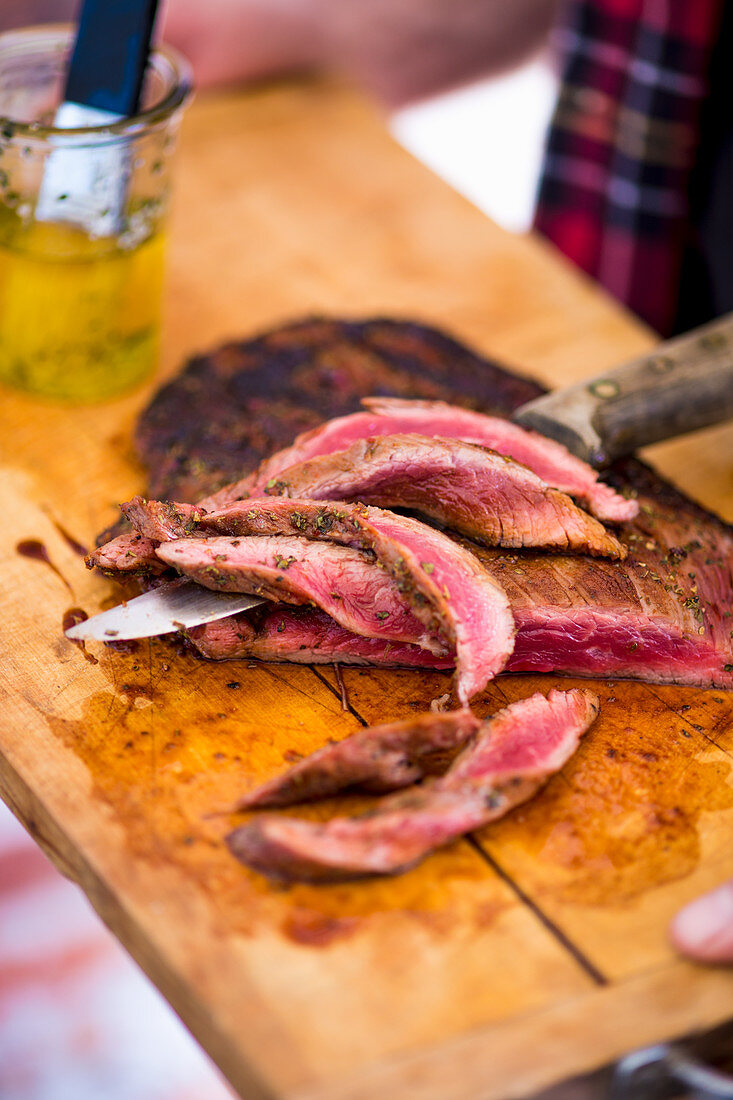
(163, 610)
(684, 384)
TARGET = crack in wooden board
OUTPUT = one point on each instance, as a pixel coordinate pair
(636, 822)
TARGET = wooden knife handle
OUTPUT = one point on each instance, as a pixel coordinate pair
(685, 384)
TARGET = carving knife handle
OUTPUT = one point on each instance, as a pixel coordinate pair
(684, 384)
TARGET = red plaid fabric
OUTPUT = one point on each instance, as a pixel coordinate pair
(614, 194)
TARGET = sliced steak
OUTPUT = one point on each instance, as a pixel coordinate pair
(467, 488)
(511, 757)
(444, 583)
(437, 419)
(226, 411)
(347, 584)
(304, 635)
(664, 615)
(382, 758)
(463, 486)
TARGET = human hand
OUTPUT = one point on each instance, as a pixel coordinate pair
(703, 930)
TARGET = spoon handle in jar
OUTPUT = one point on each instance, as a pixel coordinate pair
(111, 54)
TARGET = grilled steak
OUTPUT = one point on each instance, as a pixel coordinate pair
(304, 636)
(468, 488)
(436, 419)
(347, 584)
(512, 755)
(583, 619)
(382, 758)
(444, 583)
(227, 411)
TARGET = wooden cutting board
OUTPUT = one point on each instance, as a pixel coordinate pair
(496, 967)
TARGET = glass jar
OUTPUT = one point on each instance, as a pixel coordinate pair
(80, 301)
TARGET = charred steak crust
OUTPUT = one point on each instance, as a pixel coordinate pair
(231, 408)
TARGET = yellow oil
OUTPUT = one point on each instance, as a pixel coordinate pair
(79, 318)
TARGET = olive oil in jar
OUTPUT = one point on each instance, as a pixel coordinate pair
(79, 317)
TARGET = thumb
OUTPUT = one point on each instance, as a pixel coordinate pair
(703, 930)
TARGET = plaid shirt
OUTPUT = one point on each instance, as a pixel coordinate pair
(615, 191)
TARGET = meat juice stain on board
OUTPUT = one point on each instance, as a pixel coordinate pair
(72, 617)
(162, 769)
(36, 551)
(622, 818)
(79, 549)
(124, 645)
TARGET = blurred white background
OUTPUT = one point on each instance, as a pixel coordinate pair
(487, 140)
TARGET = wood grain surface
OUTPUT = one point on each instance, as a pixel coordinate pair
(496, 967)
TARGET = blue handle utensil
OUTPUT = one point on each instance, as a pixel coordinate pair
(85, 178)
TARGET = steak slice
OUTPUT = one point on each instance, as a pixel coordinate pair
(436, 419)
(128, 554)
(304, 635)
(664, 615)
(550, 460)
(479, 493)
(382, 758)
(347, 584)
(444, 583)
(510, 758)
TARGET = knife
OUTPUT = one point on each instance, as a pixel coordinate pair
(175, 606)
(685, 384)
